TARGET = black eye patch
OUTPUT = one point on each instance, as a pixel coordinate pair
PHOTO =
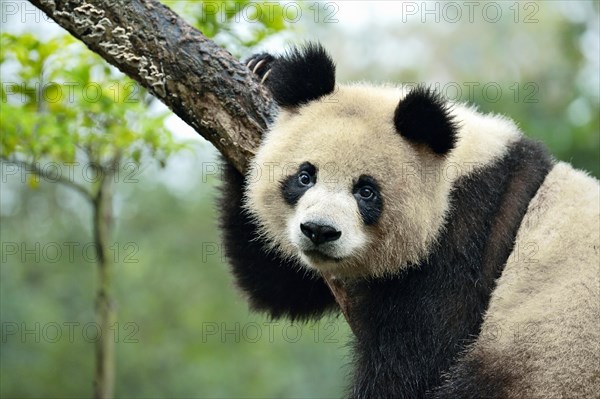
(368, 197)
(294, 186)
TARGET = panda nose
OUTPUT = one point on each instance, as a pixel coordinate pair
(319, 233)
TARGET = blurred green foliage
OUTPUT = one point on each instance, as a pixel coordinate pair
(184, 330)
(234, 24)
(63, 99)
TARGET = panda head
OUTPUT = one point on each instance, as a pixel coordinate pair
(337, 181)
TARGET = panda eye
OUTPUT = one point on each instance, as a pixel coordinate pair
(368, 198)
(296, 184)
(366, 193)
(304, 178)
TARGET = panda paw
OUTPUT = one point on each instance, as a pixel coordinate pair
(260, 64)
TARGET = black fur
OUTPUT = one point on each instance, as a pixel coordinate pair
(370, 209)
(280, 288)
(411, 328)
(423, 117)
(301, 75)
(292, 189)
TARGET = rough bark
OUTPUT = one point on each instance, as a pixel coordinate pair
(200, 81)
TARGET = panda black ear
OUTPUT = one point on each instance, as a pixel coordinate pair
(301, 75)
(423, 116)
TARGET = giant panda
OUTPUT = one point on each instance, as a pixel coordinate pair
(469, 256)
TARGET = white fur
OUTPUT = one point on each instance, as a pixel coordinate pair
(335, 207)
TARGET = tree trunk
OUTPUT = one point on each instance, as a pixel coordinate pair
(106, 313)
(201, 82)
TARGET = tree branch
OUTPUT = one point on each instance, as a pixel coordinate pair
(201, 82)
(35, 169)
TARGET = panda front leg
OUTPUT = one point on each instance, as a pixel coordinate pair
(280, 287)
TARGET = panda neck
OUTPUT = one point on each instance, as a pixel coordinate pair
(414, 325)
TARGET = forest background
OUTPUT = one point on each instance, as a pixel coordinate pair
(182, 329)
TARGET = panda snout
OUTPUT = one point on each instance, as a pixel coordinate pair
(319, 233)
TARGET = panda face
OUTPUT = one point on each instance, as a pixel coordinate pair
(328, 225)
(329, 186)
